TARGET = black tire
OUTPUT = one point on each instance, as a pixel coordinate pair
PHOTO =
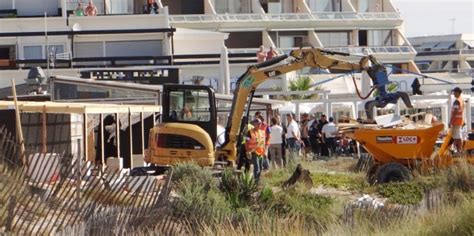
(392, 172)
(371, 174)
(139, 171)
(364, 163)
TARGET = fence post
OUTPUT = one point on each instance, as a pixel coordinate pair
(78, 175)
(10, 215)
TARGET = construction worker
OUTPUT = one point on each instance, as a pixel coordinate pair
(255, 145)
(456, 121)
(266, 130)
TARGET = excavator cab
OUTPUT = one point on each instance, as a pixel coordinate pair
(190, 104)
(187, 132)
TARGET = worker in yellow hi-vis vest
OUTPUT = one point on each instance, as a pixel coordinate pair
(255, 145)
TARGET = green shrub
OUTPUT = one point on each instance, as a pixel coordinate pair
(314, 209)
(276, 177)
(238, 190)
(405, 193)
(266, 194)
(460, 177)
(336, 180)
(192, 173)
(196, 203)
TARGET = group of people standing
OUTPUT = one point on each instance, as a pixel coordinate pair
(275, 145)
(263, 55)
(91, 10)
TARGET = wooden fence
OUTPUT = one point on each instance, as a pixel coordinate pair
(55, 193)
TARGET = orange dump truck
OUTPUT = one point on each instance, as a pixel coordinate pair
(397, 151)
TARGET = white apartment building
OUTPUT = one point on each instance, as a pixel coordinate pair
(121, 33)
(449, 53)
(356, 26)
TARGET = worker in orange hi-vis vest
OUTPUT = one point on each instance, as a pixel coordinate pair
(255, 145)
(456, 122)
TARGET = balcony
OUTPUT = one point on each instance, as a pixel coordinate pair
(289, 20)
(387, 54)
(439, 53)
(357, 51)
(374, 50)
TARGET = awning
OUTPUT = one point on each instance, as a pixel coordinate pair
(428, 45)
(77, 108)
(445, 45)
(469, 43)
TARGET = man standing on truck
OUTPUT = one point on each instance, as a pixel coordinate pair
(456, 121)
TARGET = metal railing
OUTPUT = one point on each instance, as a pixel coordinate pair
(88, 62)
(315, 16)
(467, 51)
(375, 50)
(437, 53)
(365, 50)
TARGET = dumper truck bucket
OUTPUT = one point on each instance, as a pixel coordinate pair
(399, 145)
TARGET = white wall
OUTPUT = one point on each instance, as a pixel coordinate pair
(198, 41)
(197, 46)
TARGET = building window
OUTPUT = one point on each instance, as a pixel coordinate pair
(324, 5)
(380, 38)
(231, 6)
(289, 39)
(33, 52)
(368, 5)
(54, 50)
(334, 39)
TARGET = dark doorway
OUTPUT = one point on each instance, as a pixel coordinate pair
(362, 37)
(244, 40)
(4, 53)
(7, 56)
(192, 7)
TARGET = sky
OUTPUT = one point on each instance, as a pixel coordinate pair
(432, 17)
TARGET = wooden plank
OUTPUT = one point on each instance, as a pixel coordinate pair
(117, 133)
(130, 136)
(142, 126)
(44, 131)
(80, 108)
(85, 139)
(102, 158)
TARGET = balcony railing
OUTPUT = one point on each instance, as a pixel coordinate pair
(285, 17)
(375, 50)
(361, 51)
(64, 61)
(438, 53)
(467, 51)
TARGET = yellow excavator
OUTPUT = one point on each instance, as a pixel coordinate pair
(188, 129)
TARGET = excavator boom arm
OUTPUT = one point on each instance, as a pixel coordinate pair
(257, 74)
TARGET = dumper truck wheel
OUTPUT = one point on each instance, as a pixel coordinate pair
(371, 174)
(392, 172)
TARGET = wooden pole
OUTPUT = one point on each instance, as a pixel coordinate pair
(44, 131)
(117, 133)
(102, 157)
(19, 131)
(143, 134)
(86, 139)
(130, 137)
